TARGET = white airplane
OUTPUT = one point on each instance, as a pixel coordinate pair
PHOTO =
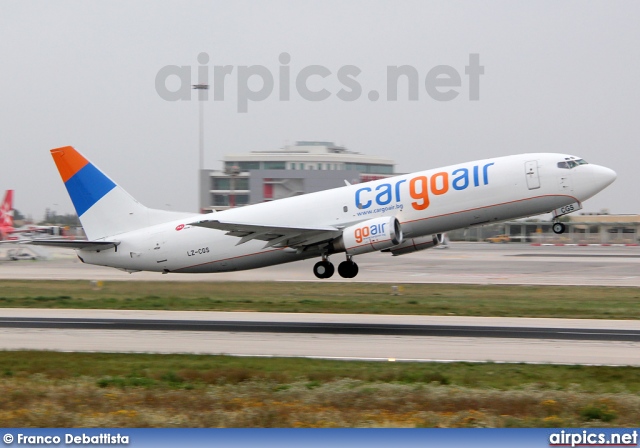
(400, 215)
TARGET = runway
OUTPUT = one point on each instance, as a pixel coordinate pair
(337, 328)
(464, 263)
(364, 337)
(330, 336)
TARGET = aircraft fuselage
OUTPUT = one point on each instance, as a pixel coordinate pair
(425, 203)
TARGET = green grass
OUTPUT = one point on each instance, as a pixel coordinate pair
(309, 297)
(195, 370)
(49, 389)
(46, 389)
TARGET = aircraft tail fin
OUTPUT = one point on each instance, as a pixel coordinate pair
(104, 208)
(6, 210)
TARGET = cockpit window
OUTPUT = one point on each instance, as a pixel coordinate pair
(571, 163)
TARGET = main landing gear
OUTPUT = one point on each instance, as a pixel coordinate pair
(558, 228)
(324, 268)
(346, 269)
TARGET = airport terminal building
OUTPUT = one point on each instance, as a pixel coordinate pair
(582, 229)
(304, 167)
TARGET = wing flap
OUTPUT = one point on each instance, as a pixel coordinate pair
(275, 236)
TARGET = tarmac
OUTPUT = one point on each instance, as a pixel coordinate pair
(464, 263)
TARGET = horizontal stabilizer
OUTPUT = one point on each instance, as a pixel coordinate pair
(73, 244)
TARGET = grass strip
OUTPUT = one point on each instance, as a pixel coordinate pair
(311, 297)
(47, 389)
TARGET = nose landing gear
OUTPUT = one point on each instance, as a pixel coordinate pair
(558, 228)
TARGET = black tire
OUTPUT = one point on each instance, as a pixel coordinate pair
(354, 269)
(330, 270)
(323, 269)
(348, 269)
(558, 228)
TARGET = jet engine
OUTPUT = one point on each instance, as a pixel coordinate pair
(415, 244)
(369, 236)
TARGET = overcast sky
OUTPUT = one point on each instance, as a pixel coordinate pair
(558, 77)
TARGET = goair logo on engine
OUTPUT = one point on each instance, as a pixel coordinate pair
(365, 232)
(421, 187)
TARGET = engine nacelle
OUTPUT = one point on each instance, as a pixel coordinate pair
(415, 244)
(369, 236)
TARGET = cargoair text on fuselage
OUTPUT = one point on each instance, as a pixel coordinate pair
(399, 215)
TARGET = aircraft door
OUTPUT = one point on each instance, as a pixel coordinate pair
(533, 177)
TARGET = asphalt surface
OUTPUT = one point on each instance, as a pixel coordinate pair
(397, 329)
(462, 263)
(327, 336)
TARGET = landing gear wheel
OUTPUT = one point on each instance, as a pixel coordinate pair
(558, 228)
(323, 269)
(348, 269)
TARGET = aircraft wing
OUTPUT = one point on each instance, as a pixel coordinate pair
(68, 244)
(275, 236)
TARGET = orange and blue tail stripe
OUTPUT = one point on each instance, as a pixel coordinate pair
(85, 183)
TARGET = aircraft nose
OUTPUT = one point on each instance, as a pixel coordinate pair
(590, 179)
(597, 179)
(604, 176)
